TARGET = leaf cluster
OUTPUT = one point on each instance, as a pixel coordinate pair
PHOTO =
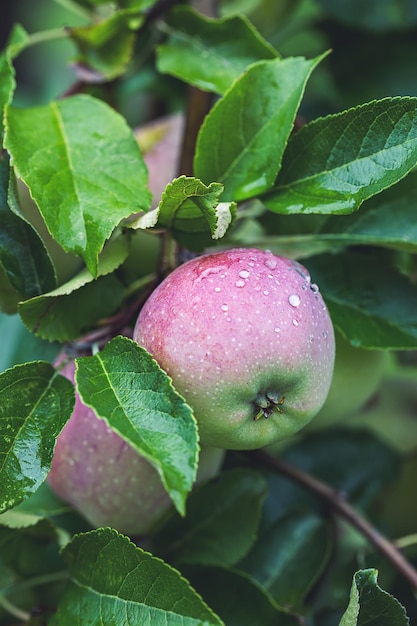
(285, 147)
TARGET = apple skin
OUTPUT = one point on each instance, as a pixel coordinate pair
(105, 480)
(357, 375)
(160, 144)
(243, 334)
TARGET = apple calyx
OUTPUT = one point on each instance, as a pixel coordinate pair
(267, 403)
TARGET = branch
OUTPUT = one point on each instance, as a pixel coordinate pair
(341, 507)
(198, 105)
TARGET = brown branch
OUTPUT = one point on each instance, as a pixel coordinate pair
(198, 105)
(336, 502)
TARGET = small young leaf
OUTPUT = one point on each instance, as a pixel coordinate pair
(221, 523)
(210, 53)
(74, 307)
(376, 308)
(370, 605)
(116, 583)
(242, 139)
(84, 169)
(105, 48)
(35, 404)
(191, 211)
(126, 387)
(336, 162)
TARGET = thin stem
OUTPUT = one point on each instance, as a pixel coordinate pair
(14, 610)
(338, 504)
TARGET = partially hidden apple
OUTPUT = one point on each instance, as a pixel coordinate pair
(357, 375)
(247, 340)
(105, 479)
(160, 144)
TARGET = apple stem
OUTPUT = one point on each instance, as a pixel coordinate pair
(338, 504)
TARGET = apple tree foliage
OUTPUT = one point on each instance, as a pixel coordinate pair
(301, 122)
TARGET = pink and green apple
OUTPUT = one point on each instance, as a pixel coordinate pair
(105, 479)
(247, 340)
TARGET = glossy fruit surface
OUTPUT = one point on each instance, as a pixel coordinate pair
(103, 477)
(248, 342)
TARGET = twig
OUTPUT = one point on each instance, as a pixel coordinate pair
(339, 505)
(8, 606)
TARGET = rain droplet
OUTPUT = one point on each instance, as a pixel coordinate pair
(295, 322)
(294, 300)
(314, 288)
(277, 330)
(217, 289)
(244, 274)
(271, 264)
(240, 283)
(266, 292)
(225, 307)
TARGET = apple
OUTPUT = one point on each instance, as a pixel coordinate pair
(105, 479)
(247, 340)
(357, 375)
(160, 143)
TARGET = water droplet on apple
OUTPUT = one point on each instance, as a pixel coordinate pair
(240, 283)
(244, 274)
(314, 288)
(225, 307)
(295, 323)
(294, 300)
(271, 263)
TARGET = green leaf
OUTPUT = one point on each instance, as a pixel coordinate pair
(35, 404)
(22, 254)
(84, 169)
(371, 302)
(17, 40)
(106, 48)
(210, 53)
(242, 139)
(375, 15)
(191, 211)
(221, 522)
(289, 557)
(387, 219)
(360, 466)
(74, 307)
(19, 345)
(237, 598)
(116, 583)
(370, 605)
(336, 162)
(126, 387)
